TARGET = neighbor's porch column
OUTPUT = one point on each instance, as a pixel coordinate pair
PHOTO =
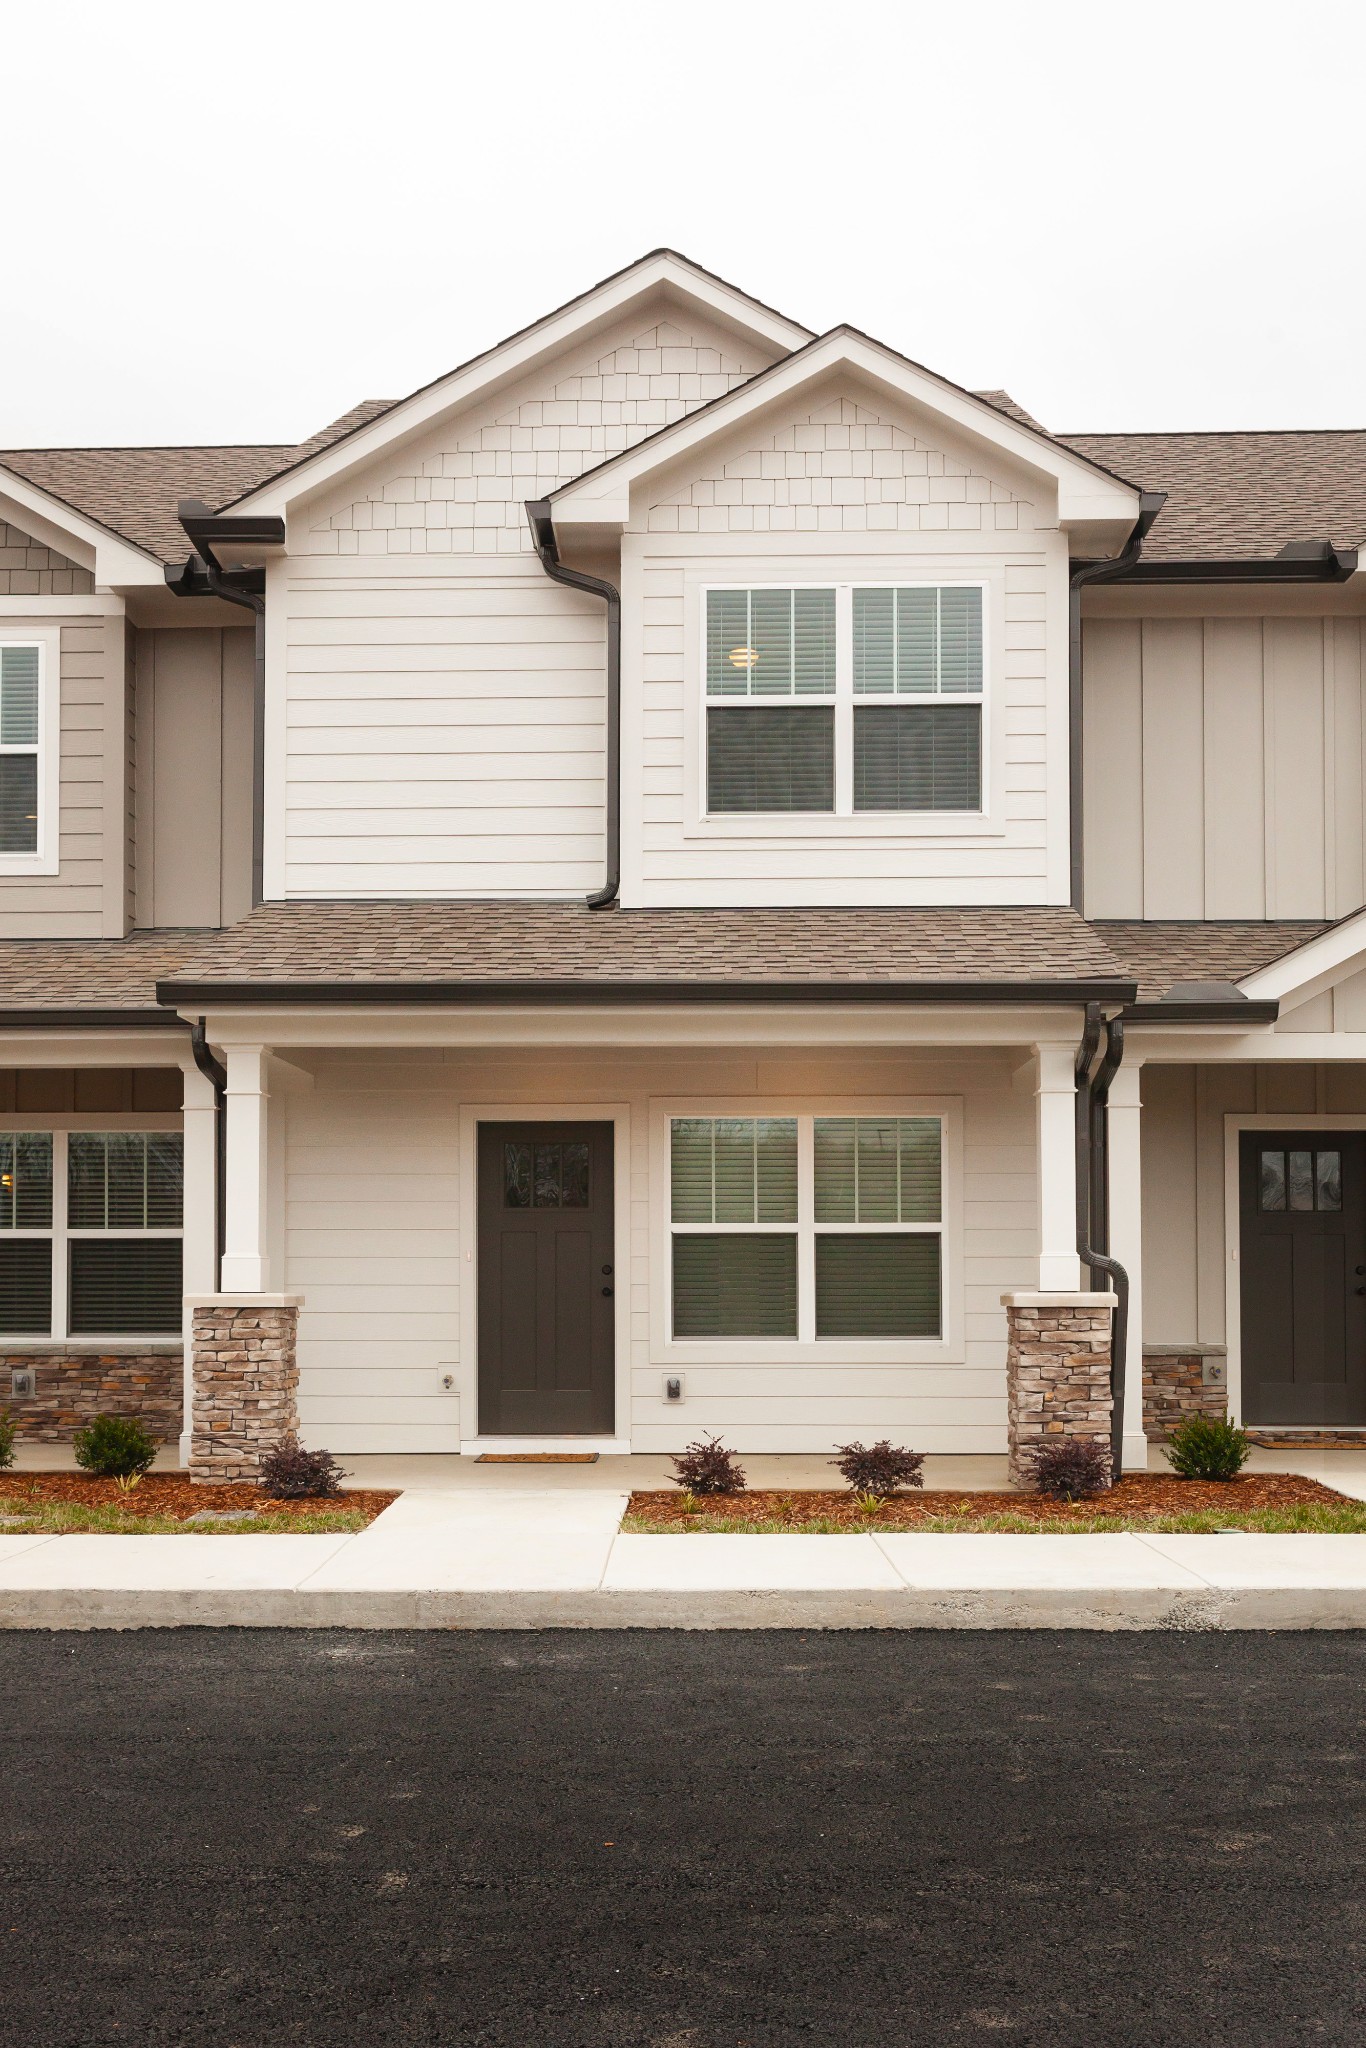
(1126, 1244)
(1055, 1091)
(199, 1216)
(246, 1250)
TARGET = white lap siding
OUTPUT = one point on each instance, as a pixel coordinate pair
(377, 1245)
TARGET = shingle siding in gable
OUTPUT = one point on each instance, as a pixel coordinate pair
(28, 569)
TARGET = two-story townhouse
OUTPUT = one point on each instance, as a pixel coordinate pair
(689, 876)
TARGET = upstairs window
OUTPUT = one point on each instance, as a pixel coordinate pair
(20, 731)
(844, 701)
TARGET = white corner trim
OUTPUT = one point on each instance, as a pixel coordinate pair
(1313, 967)
(115, 562)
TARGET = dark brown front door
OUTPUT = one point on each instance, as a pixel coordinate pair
(546, 1280)
(1303, 1260)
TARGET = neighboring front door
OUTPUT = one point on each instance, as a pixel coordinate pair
(1303, 1260)
(546, 1280)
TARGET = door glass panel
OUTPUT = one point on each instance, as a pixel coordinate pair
(1271, 1192)
(516, 1176)
(547, 1194)
(575, 1181)
(1328, 1180)
(1300, 1182)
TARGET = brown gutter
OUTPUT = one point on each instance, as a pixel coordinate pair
(540, 994)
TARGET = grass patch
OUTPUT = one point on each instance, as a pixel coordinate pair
(1309, 1518)
(63, 1518)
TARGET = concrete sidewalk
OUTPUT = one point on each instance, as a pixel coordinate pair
(527, 1556)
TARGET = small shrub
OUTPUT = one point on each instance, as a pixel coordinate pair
(289, 1472)
(1069, 1467)
(114, 1447)
(708, 1467)
(6, 1440)
(878, 1470)
(1207, 1447)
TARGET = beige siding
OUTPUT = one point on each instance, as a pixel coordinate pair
(380, 1255)
(85, 899)
(28, 569)
(194, 775)
(1223, 766)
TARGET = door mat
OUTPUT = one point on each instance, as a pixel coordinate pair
(537, 1458)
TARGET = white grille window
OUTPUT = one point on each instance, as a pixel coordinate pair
(21, 679)
(91, 1233)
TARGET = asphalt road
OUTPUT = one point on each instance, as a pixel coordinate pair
(671, 1840)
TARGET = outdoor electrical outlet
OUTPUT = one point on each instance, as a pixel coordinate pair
(23, 1385)
(673, 1386)
(1213, 1372)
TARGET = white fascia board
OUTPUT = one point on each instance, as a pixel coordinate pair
(116, 563)
(1086, 495)
(516, 358)
(1313, 967)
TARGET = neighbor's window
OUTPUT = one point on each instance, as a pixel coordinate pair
(884, 715)
(111, 1267)
(20, 687)
(868, 1235)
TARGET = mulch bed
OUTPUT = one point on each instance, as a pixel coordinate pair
(171, 1493)
(1153, 1494)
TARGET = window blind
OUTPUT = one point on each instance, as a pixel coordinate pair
(877, 1169)
(770, 759)
(129, 1286)
(18, 696)
(879, 1285)
(25, 1286)
(743, 1285)
(918, 757)
(734, 1169)
(25, 1180)
(919, 640)
(125, 1180)
(770, 643)
(18, 803)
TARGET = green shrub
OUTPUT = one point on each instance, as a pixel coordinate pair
(114, 1447)
(1207, 1447)
(6, 1440)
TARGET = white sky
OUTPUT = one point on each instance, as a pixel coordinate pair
(230, 223)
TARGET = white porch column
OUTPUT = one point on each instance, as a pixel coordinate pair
(1056, 1096)
(246, 1251)
(1126, 1244)
(200, 1247)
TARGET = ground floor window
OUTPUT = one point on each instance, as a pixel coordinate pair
(90, 1233)
(782, 1226)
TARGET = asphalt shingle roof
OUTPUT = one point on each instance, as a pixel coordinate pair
(1160, 953)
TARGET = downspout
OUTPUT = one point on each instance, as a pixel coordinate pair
(542, 524)
(1150, 503)
(1093, 1201)
(216, 1074)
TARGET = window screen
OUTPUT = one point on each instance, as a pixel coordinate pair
(125, 1286)
(918, 757)
(25, 1180)
(125, 1180)
(734, 1169)
(877, 1169)
(19, 679)
(768, 759)
(880, 1285)
(925, 641)
(770, 643)
(743, 1285)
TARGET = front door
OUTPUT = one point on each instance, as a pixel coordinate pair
(546, 1280)
(1303, 1258)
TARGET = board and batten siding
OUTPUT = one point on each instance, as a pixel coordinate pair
(376, 1243)
(844, 495)
(1224, 766)
(192, 787)
(88, 896)
(442, 725)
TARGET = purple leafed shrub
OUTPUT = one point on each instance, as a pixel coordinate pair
(289, 1472)
(708, 1468)
(879, 1469)
(1068, 1467)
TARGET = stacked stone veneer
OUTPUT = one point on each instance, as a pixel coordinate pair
(1174, 1387)
(74, 1387)
(1057, 1372)
(246, 1387)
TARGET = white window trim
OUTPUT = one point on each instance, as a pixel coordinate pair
(48, 641)
(844, 823)
(806, 1348)
(60, 1128)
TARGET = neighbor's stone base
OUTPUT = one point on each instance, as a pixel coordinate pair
(76, 1386)
(1174, 1387)
(1057, 1371)
(246, 1383)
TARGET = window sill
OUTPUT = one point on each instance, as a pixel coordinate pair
(828, 829)
(53, 1347)
(27, 864)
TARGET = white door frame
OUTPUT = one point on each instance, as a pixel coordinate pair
(1236, 1121)
(472, 1114)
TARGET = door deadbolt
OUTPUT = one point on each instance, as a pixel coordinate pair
(607, 1270)
(607, 1290)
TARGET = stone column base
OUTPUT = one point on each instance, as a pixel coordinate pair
(246, 1382)
(1057, 1371)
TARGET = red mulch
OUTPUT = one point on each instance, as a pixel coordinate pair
(1154, 1494)
(171, 1493)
